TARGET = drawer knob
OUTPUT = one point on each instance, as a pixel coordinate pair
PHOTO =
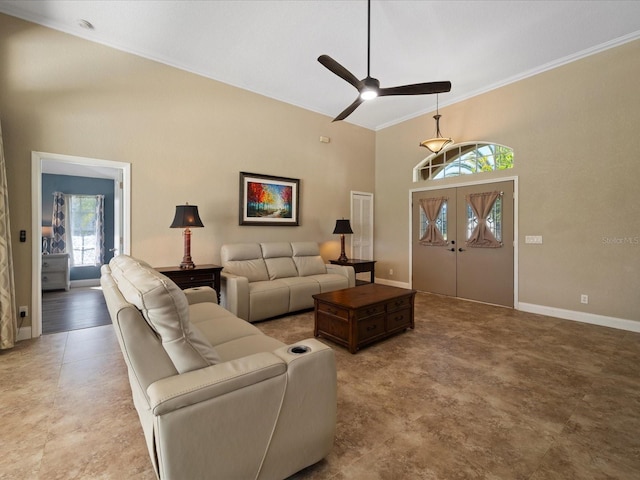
(372, 327)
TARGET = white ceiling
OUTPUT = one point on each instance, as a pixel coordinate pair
(271, 46)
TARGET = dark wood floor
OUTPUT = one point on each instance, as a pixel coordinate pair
(78, 308)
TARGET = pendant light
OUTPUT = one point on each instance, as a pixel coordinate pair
(438, 142)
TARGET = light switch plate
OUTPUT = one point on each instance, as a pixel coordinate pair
(533, 239)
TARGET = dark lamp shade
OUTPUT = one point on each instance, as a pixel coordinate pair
(342, 227)
(186, 217)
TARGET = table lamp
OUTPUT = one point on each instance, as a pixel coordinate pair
(47, 234)
(342, 227)
(187, 217)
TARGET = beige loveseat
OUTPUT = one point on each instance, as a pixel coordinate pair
(215, 396)
(264, 280)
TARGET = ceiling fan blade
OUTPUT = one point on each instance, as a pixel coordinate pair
(339, 70)
(417, 89)
(349, 110)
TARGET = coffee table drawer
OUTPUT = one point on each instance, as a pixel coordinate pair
(398, 303)
(370, 327)
(398, 320)
(333, 310)
(369, 311)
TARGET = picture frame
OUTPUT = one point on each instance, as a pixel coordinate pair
(269, 200)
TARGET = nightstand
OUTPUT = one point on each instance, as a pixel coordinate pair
(359, 266)
(55, 272)
(201, 276)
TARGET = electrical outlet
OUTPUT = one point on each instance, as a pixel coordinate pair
(391, 271)
(533, 239)
(23, 311)
(584, 298)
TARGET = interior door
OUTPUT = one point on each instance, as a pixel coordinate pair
(486, 273)
(362, 225)
(457, 264)
(434, 265)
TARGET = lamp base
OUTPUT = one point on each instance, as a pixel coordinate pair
(343, 255)
(187, 263)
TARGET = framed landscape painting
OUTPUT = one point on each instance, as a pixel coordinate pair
(269, 200)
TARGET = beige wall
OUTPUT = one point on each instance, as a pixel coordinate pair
(186, 137)
(574, 131)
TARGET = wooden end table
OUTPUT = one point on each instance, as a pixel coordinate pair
(359, 316)
(201, 276)
(359, 266)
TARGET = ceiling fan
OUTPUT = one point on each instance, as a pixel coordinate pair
(369, 87)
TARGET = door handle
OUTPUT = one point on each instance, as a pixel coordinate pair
(461, 249)
(452, 249)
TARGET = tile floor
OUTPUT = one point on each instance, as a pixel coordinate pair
(474, 392)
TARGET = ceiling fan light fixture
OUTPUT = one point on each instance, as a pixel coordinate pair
(368, 94)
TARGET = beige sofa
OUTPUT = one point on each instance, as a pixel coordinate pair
(264, 280)
(216, 397)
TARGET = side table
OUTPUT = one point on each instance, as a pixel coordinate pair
(201, 276)
(359, 266)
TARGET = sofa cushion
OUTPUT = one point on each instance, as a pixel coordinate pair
(306, 256)
(166, 310)
(277, 257)
(254, 270)
(331, 282)
(268, 299)
(301, 291)
(244, 260)
(219, 325)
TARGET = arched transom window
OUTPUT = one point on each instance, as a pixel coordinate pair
(464, 159)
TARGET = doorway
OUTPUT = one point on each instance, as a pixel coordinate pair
(43, 163)
(462, 241)
(362, 225)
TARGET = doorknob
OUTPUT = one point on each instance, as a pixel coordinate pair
(461, 249)
(452, 249)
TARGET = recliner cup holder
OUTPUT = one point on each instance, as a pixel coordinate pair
(298, 349)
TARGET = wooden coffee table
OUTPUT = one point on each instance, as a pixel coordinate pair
(359, 316)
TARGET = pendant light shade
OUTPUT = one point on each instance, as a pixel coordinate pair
(438, 142)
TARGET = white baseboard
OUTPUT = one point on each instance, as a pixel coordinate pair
(602, 320)
(24, 333)
(392, 283)
(91, 282)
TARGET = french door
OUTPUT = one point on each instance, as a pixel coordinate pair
(463, 242)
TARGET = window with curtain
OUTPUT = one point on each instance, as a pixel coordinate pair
(484, 220)
(78, 225)
(433, 221)
(86, 226)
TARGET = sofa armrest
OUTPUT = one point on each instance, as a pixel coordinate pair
(235, 294)
(200, 295)
(343, 270)
(178, 391)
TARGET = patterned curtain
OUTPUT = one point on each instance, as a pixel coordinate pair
(99, 229)
(431, 208)
(59, 223)
(69, 217)
(481, 204)
(8, 317)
